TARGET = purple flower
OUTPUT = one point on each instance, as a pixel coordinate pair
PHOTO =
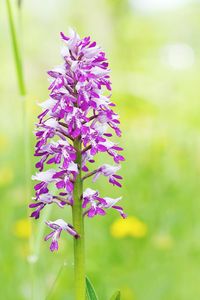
(79, 109)
(58, 226)
(43, 200)
(97, 205)
(110, 203)
(92, 197)
(109, 171)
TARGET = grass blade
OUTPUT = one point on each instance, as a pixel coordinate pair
(54, 283)
(16, 50)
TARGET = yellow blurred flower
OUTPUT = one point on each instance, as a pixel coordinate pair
(130, 226)
(6, 176)
(22, 228)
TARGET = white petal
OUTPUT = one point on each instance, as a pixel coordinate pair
(102, 100)
(61, 223)
(74, 65)
(46, 198)
(74, 38)
(108, 144)
(101, 128)
(72, 167)
(63, 143)
(73, 33)
(111, 201)
(44, 176)
(51, 123)
(60, 69)
(48, 104)
(109, 170)
(89, 192)
(99, 71)
(91, 52)
(64, 51)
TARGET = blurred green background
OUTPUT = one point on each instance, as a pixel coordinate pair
(154, 48)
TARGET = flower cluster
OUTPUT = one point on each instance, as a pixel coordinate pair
(78, 109)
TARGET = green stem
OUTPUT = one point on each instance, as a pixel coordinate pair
(16, 51)
(78, 223)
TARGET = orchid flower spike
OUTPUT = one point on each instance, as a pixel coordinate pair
(79, 110)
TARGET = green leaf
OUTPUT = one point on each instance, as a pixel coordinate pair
(116, 296)
(90, 292)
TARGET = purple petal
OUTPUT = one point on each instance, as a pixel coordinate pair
(54, 246)
(48, 236)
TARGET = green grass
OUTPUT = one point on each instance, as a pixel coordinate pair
(160, 122)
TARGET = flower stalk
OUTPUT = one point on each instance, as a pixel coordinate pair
(78, 223)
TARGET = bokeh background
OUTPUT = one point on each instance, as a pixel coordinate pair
(154, 48)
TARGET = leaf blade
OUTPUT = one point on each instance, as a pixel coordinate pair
(116, 296)
(90, 291)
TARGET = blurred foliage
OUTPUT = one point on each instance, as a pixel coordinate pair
(157, 93)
